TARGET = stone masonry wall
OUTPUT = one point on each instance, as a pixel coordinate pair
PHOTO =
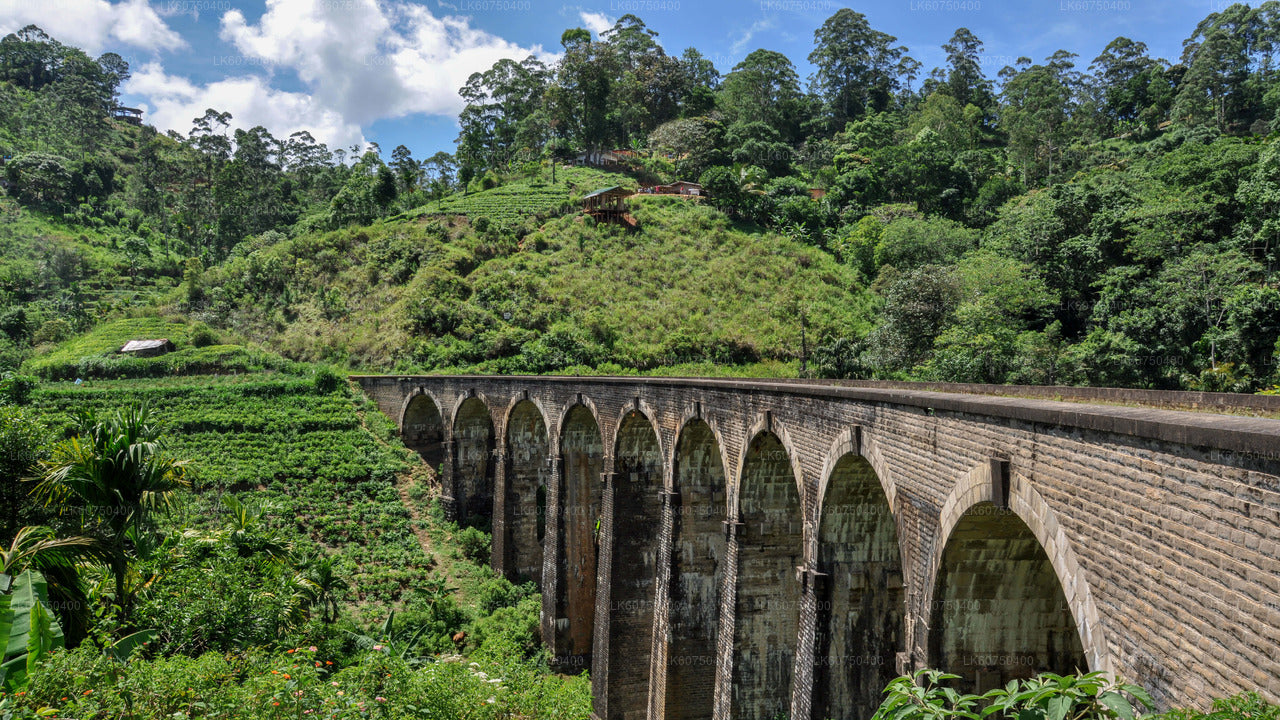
(1161, 528)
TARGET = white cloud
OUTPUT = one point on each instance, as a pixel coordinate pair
(173, 102)
(757, 27)
(596, 22)
(370, 60)
(94, 26)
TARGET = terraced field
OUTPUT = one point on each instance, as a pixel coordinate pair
(303, 448)
(513, 202)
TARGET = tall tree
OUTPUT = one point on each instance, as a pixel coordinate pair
(1231, 62)
(858, 68)
(763, 87)
(1133, 89)
(965, 80)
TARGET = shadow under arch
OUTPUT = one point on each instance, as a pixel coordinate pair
(528, 447)
(422, 428)
(697, 557)
(1008, 596)
(637, 518)
(770, 548)
(474, 463)
(581, 449)
(861, 599)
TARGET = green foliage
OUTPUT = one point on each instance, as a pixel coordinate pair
(475, 544)
(926, 695)
(28, 629)
(299, 683)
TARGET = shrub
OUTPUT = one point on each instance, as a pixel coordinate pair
(203, 336)
(327, 379)
(475, 545)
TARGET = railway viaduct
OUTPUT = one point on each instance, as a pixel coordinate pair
(755, 549)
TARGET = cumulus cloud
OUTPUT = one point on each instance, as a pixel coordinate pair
(596, 22)
(369, 60)
(173, 102)
(93, 25)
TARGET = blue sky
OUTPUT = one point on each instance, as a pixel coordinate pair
(351, 71)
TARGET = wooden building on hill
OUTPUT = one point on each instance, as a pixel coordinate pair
(133, 116)
(606, 205)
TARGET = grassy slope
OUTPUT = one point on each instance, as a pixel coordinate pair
(424, 294)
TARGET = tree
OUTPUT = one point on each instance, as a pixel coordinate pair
(1035, 117)
(115, 474)
(1230, 61)
(578, 100)
(764, 88)
(41, 180)
(858, 68)
(1135, 91)
(57, 560)
(965, 80)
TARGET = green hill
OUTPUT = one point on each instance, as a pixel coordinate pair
(688, 289)
(525, 198)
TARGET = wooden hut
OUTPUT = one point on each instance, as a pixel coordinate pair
(606, 205)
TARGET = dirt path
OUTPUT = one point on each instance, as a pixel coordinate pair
(419, 473)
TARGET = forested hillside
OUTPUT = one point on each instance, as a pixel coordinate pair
(1080, 221)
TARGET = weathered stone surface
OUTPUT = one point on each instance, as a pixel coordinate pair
(734, 547)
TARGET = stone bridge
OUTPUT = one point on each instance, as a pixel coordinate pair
(756, 549)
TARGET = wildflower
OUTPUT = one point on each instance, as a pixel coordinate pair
(377, 647)
(334, 683)
(312, 648)
(87, 692)
(328, 662)
(380, 699)
(317, 663)
(286, 676)
(340, 693)
(277, 704)
(289, 651)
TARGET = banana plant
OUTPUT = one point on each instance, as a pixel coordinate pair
(28, 629)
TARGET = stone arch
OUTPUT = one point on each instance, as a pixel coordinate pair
(638, 472)
(770, 549)
(1012, 574)
(765, 423)
(581, 449)
(694, 412)
(699, 507)
(860, 596)
(422, 427)
(474, 442)
(527, 450)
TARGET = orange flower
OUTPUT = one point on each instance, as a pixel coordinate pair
(87, 692)
(286, 676)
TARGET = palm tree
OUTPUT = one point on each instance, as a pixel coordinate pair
(330, 587)
(57, 559)
(116, 474)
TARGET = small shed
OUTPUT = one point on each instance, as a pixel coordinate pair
(133, 116)
(147, 348)
(817, 193)
(606, 205)
(684, 187)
